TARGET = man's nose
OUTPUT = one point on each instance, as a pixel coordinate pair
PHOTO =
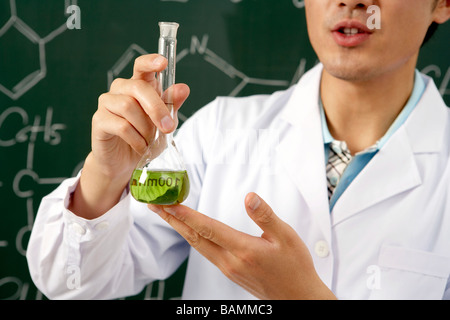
(355, 4)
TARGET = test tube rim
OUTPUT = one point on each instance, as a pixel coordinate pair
(173, 32)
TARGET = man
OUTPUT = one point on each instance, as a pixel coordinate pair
(381, 230)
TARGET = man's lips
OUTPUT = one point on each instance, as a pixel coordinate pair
(350, 33)
(351, 24)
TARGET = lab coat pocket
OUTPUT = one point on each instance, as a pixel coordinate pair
(410, 274)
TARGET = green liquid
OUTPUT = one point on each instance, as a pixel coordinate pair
(160, 187)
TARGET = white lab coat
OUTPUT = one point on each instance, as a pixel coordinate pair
(388, 236)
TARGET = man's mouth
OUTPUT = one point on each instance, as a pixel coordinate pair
(350, 33)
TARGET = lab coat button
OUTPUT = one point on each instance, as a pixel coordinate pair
(321, 249)
(102, 225)
(78, 228)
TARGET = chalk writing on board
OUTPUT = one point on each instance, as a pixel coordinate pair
(27, 127)
(29, 133)
(33, 129)
(30, 80)
(437, 73)
(200, 47)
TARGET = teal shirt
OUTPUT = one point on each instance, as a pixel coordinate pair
(361, 159)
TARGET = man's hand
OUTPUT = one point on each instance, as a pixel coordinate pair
(122, 127)
(276, 265)
(128, 115)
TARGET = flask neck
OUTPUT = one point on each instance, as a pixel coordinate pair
(169, 106)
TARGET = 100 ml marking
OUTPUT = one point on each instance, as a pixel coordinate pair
(159, 187)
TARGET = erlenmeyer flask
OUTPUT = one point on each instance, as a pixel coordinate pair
(160, 176)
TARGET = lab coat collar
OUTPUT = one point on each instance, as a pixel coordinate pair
(304, 102)
(392, 171)
(431, 113)
(301, 149)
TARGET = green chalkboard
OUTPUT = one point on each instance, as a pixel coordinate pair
(51, 75)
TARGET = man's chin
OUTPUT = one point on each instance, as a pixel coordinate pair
(353, 72)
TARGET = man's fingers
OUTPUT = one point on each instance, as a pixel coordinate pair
(111, 125)
(209, 229)
(148, 99)
(128, 108)
(143, 88)
(262, 214)
(146, 67)
(209, 249)
(180, 92)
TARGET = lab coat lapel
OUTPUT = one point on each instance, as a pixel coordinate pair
(392, 171)
(394, 168)
(301, 148)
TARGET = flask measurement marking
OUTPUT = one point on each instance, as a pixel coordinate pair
(159, 187)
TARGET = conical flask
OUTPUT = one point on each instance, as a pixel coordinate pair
(160, 176)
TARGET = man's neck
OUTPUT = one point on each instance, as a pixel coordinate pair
(360, 113)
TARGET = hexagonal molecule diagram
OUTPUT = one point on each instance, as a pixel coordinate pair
(199, 47)
(23, 63)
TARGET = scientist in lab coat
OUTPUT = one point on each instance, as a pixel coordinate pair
(264, 219)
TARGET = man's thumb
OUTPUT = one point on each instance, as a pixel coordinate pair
(260, 212)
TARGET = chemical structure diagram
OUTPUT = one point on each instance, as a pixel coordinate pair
(30, 80)
(32, 129)
(200, 47)
(42, 127)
